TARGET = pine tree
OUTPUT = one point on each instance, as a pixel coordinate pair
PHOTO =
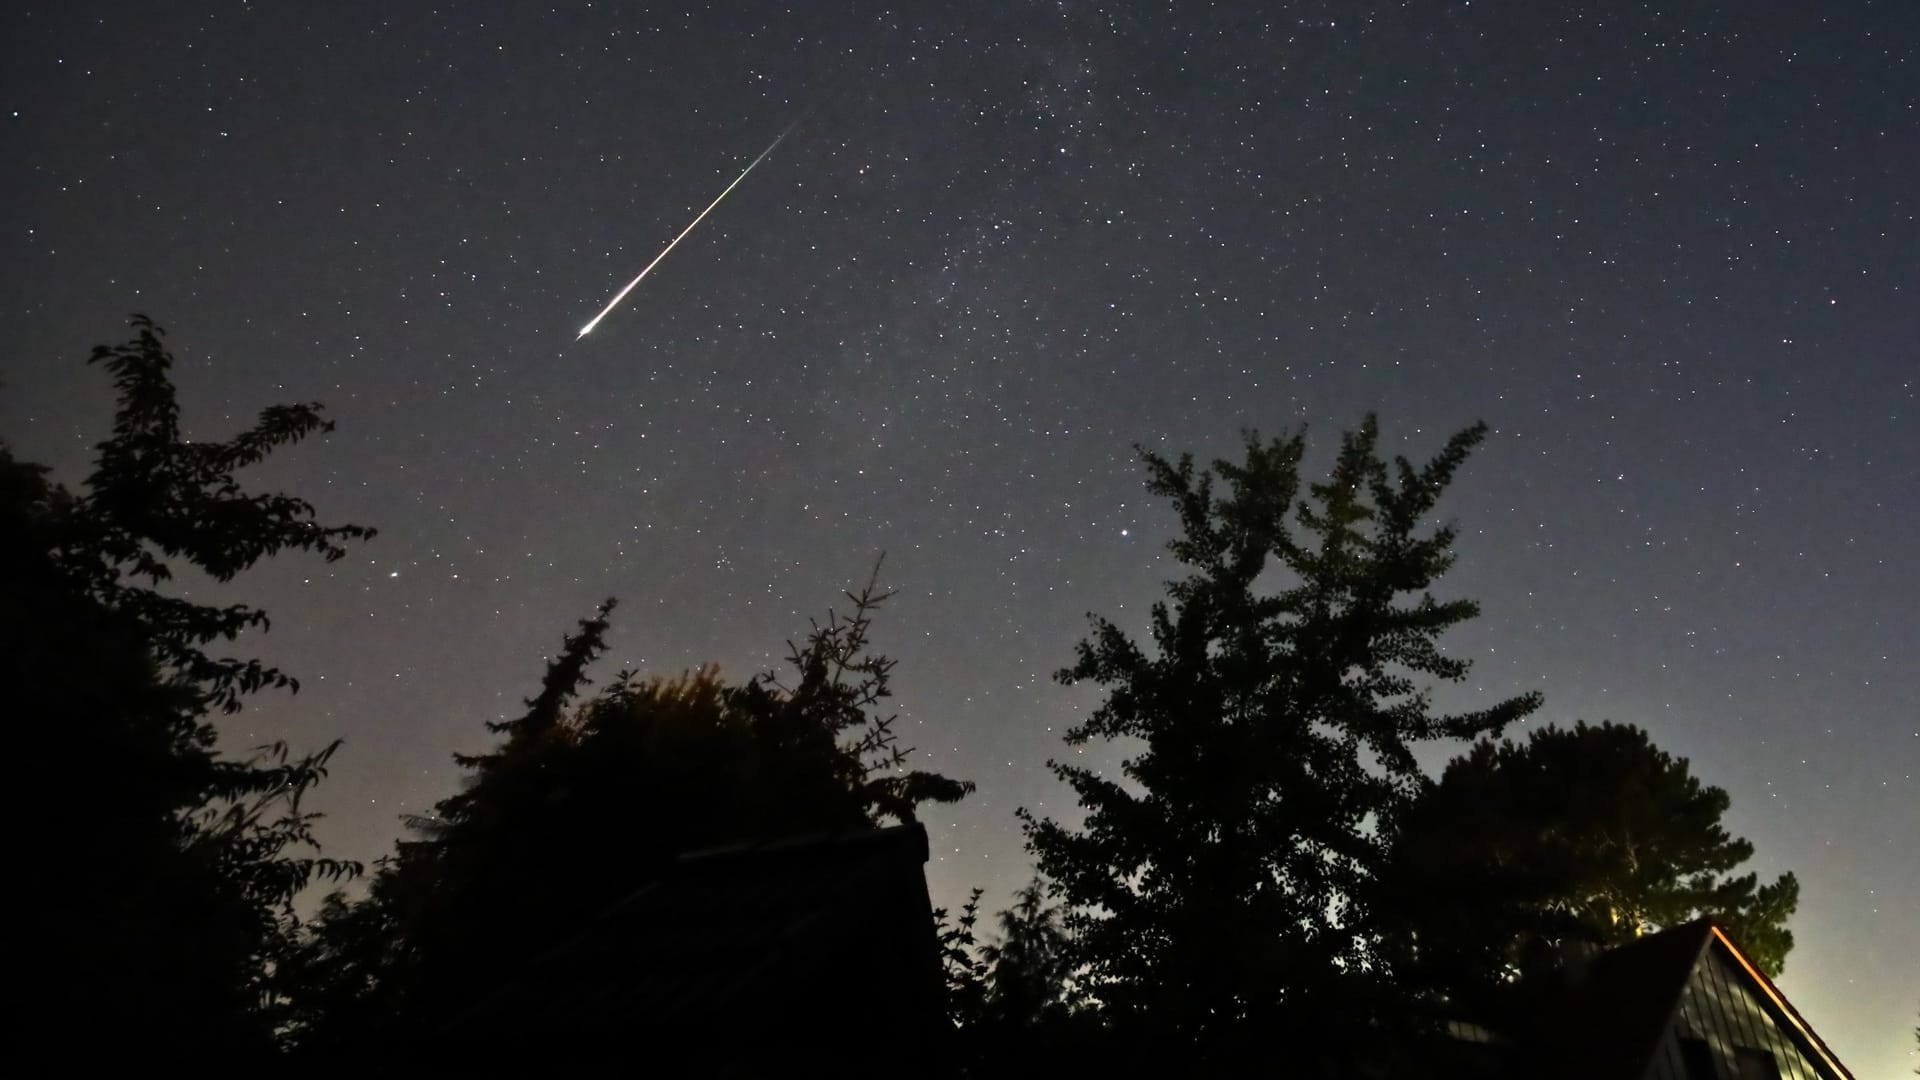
(168, 867)
(1591, 833)
(1219, 885)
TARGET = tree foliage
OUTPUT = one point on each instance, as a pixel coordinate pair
(580, 805)
(961, 964)
(1271, 857)
(1029, 969)
(175, 864)
(1021, 980)
(1591, 834)
(1012, 995)
(1273, 713)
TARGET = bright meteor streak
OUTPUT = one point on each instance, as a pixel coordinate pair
(622, 294)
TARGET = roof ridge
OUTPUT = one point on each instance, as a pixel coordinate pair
(1792, 1015)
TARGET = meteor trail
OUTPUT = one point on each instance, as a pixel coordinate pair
(622, 294)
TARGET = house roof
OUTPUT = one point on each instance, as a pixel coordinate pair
(1632, 991)
(776, 940)
(1790, 1015)
(1610, 1022)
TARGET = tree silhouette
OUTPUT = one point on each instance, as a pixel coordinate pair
(1013, 999)
(1029, 969)
(578, 807)
(962, 965)
(1220, 883)
(1590, 834)
(171, 865)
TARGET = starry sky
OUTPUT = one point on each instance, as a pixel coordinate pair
(1669, 251)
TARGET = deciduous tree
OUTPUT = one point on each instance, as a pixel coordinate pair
(166, 868)
(580, 805)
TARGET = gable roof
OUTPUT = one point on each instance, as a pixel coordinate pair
(1606, 1026)
(1620, 1015)
(1785, 1014)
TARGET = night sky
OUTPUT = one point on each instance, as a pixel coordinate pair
(1669, 252)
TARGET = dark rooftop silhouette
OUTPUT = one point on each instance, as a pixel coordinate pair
(738, 955)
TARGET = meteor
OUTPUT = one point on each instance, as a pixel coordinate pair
(622, 294)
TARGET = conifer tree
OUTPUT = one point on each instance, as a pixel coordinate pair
(1219, 882)
(1029, 968)
(1589, 833)
(1013, 998)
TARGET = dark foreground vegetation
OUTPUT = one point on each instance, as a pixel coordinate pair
(1273, 873)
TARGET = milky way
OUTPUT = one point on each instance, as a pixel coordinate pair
(1667, 251)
